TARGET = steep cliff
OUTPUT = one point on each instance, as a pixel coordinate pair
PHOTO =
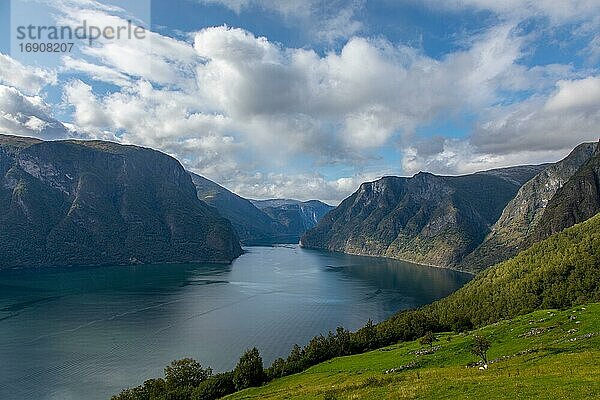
(519, 220)
(426, 219)
(93, 203)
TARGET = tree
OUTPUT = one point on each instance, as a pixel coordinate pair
(295, 361)
(480, 346)
(249, 371)
(365, 338)
(185, 373)
(215, 387)
(428, 339)
(276, 370)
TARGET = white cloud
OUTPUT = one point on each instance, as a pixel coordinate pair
(97, 72)
(257, 105)
(579, 94)
(27, 79)
(155, 58)
(378, 89)
(457, 157)
(232, 103)
(539, 129)
(25, 115)
(297, 186)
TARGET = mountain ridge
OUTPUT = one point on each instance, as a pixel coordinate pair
(428, 219)
(518, 221)
(261, 222)
(72, 202)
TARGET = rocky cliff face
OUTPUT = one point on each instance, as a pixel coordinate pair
(520, 219)
(94, 203)
(426, 219)
(576, 201)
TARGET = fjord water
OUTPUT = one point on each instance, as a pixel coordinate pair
(86, 333)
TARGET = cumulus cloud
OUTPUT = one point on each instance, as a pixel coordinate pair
(539, 129)
(232, 103)
(25, 115)
(297, 186)
(27, 79)
(582, 94)
(379, 89)
(256, 105)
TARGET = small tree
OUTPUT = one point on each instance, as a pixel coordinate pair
(365, 338)
(295, 361)
(185, 373)
(428, 339)
(480, 346)
(276, 370)
(249, 370)
(215, 387)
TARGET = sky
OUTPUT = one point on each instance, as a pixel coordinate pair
(307, 99)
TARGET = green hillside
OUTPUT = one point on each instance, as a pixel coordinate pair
(543, 355)
(561, 271)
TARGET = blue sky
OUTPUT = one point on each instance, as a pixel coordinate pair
(307, 99)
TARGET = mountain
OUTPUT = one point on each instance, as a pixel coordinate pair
(260, 222)
(92, 203)
(252, 225)
(295, 217)
(425, 219)
(576, 201)
(517, 228)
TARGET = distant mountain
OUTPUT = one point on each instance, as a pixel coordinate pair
(525, 220)
(261, 221)
(92, 203)
(251, 224)
(295, 217)
(425, 219)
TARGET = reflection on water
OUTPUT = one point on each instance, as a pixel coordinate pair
(88, 332)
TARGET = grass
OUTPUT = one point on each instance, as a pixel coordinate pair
(543, 355)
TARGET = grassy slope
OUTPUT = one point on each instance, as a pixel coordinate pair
(556, 366)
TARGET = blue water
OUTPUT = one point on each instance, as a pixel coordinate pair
(86, 333)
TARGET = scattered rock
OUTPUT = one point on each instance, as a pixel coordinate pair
(411, 365)
(536, 331)
(424, 352)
